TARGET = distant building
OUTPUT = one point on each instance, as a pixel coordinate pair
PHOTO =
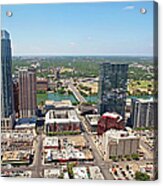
(110, 121)
(42, 84)
(58, 105)
(113, 88)
(143, 113)
(119, 143)
(6, 75)
(7, 123)
(27, 92)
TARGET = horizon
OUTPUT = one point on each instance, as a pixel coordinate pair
(80, 55)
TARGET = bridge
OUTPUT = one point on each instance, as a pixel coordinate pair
(76, 93)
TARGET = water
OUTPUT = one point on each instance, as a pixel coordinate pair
(59, 97)
(92, 99)
(55, 97)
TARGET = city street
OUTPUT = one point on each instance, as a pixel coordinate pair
(37, 162)
(98, 159)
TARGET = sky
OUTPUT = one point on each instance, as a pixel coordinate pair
(113, 28)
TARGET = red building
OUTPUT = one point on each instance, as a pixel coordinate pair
(110, 121)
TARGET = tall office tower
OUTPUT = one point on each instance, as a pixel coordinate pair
(143, 113)
(6, 75)
(27, 92)
(113, 88)
(16, 95)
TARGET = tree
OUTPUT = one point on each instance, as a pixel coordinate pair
(135, 156)
(142, 176)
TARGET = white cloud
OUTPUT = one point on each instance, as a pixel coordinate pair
(129, 7)
(72, 43)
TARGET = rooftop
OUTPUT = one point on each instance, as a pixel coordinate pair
(61, 116)
(95, 173)
(80, 172)
(5, 34)
(93, 118)
(26, 121)
(112, 116)
(119, 134)
(50, 142)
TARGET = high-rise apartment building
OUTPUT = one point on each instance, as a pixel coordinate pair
(6, 76)
(27, 92)
(16, 95)
(113, 88)
(143, 113)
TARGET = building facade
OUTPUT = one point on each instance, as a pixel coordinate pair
(113, 88)
(110, 121)
(42, 84)
(27, 92)
(6, 76)
(16, 96)
(143, 113)
(119, 143)
(65, 120)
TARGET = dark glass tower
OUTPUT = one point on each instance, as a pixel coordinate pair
(113, 88)
(6, 75)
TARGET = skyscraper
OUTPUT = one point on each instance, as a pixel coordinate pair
(143, 113)
(27, 92)
(113, 88)
(6, 75)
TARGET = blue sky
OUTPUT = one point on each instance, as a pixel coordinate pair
(80, 29)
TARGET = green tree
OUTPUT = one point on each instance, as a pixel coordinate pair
(142, 176)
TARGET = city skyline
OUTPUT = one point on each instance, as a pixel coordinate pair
(81, 29)
(79, 117)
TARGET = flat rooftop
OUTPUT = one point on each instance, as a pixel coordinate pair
(50, 142)
(93, 118)
(63, 116)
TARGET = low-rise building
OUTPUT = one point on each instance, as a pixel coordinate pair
(80, 173)
(110, 121)
(92, 120)
(58, 105)
(25, 123)
(65, 149)
(95, 173)
(61, 121)
(20, 174)
(16, 157)
(50, 142)
(52, 173)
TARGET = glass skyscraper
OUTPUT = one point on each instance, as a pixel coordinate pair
(113, 88)
(6, 75)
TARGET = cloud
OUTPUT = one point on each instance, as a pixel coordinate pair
(129, 7)
(72, 44)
